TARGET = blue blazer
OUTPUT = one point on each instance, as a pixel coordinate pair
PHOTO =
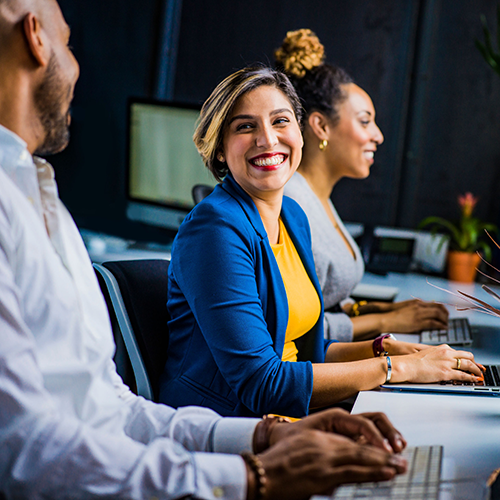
(229, 312)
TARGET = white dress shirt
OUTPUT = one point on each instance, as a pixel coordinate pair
(69, 427)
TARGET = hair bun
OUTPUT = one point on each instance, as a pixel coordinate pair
(301, 51)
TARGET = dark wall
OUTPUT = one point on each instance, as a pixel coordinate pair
(459, 134)
(437, 101)
(373, 41)
(116, 43)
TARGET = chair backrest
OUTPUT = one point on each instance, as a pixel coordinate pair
(138, 294)
(200, 191)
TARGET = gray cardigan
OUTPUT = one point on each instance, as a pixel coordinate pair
(338, 272)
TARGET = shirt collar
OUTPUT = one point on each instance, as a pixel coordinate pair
(13, 152)
(18, 164)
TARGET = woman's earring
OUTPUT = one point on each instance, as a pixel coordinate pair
(221, 158)
(323, 144)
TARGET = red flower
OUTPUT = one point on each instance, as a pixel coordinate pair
(467, 203)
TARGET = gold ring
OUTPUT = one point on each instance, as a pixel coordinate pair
(459, 363)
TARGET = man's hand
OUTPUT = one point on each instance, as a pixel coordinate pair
(313, 462)
(371, 428)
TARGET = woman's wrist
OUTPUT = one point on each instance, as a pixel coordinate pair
(400, 369)
(381, 345)
(356, 308)
(388, 343)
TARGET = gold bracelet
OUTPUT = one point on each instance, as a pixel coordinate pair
(255, 465)
(355, 307)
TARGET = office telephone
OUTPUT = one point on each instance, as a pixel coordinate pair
(385, 253)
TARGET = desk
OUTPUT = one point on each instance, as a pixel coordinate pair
(486, 328)
(467, 426)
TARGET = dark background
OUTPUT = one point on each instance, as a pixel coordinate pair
(437, 101)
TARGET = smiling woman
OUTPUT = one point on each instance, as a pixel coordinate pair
(341, 139)
(246, 329)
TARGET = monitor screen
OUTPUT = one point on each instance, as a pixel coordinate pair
(163, 163)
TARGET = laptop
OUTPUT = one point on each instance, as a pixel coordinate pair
(490, 387)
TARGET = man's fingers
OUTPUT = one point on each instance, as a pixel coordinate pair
(389, 432)
(362, 474)
(368, 456)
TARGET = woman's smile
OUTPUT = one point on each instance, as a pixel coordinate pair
(262, 143)
(268, 161)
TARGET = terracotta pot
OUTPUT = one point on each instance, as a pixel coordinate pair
(462, 266)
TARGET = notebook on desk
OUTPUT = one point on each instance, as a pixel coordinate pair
(491, 386)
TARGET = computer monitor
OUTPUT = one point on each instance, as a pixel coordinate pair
(163, 163)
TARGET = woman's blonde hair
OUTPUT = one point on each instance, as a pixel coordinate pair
(217, 109)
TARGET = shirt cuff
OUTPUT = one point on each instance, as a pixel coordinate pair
(234, 435)
(220, 477)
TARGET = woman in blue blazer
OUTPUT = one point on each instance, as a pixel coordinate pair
(227, 292)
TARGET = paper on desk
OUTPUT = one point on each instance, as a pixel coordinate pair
(375, 292)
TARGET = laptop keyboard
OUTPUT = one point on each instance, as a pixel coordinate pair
(491, 378)
(458, 333)
(421, 481)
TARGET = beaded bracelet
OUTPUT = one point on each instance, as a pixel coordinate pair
(257, 468)
(263, 431)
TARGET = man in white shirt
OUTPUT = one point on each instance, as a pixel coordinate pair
(69, 427)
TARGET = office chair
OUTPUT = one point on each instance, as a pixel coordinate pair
(136, 293)
(200, 191)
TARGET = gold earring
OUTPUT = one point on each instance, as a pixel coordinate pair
(323, 144)
(220, 157)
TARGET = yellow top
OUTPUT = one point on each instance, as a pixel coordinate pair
(304, 306)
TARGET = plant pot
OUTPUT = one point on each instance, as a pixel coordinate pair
(461, 266)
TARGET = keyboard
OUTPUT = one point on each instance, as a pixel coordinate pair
(491, 378)
(492, 375)
(458, 333)
(421, 481)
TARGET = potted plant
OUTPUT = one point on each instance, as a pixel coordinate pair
(467, 237)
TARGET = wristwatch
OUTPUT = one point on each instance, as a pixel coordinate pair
(378, 349)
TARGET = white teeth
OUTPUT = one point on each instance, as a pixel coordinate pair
(267, 162)
(368, 154)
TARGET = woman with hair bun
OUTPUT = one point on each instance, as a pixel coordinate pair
(340, 140)
(246, 331)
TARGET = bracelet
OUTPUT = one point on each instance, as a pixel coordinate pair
(389, 369)
(377, 346)
(257, 468)
(355, 307)
(263, 431)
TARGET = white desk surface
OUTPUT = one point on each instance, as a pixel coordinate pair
(467, 426)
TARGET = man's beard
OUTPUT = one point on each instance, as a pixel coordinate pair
(48, 100)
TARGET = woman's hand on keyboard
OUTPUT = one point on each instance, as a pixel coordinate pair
(436, 364)
(414, 316)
